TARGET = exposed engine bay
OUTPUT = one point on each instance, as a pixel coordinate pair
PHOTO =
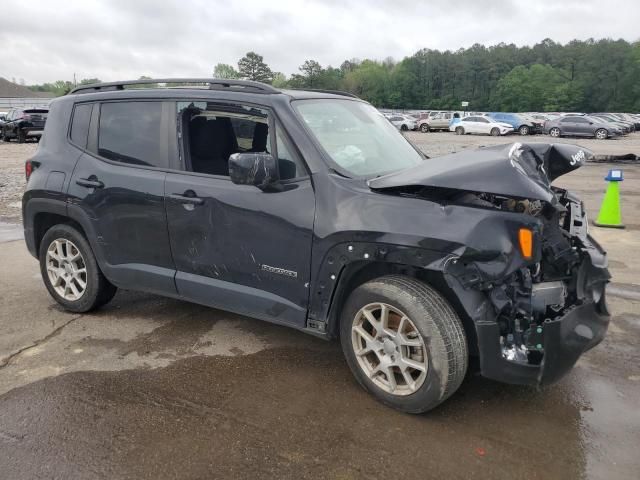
(549, 288)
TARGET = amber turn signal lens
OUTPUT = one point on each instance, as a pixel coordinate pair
(525, 239)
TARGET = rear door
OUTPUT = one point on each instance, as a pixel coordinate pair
(582, 126)
(440, 121)
(569, 126)
(237, 247)
(482, 125)
(117, 187)
(470, 125)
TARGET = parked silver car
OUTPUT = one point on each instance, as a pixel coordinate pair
(582, 126)
(439, 121)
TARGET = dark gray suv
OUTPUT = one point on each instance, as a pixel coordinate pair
(310, 210)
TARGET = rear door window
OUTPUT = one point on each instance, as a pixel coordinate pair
(133, 133)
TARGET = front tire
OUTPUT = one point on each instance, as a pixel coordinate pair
(601, 134)
(404, 343)
(495, 132)
(70, 271)
(524, 130)
(459, 131)
(21, 136)
(404, 128)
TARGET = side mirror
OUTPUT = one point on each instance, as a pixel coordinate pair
(257, 169)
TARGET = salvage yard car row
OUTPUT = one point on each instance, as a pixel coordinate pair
(597, 125)
(22, 124)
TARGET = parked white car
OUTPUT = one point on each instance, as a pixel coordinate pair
(403, 122)
(480, 125)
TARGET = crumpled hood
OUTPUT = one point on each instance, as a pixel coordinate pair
(516, 170)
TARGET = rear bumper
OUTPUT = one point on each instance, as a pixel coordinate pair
(564, 340)
(32, 131)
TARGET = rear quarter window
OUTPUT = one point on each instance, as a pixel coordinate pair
(80, 124)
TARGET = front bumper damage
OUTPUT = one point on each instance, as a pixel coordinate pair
(563, 340)
(550, 345)
(533, 314)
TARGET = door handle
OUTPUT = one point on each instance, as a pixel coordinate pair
(189, 200)
(91, 182)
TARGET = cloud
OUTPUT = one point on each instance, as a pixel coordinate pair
(118, 39)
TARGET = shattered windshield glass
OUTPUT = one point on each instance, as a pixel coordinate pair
(357, 137)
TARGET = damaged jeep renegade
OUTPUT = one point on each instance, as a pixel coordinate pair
(309, 209)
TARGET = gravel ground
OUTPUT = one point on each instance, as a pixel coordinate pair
(12, 181)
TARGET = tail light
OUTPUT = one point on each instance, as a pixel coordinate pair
(28, 169)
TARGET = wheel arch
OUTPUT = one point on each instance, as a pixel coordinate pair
(40, 214)
(43, 221)
(330, 295)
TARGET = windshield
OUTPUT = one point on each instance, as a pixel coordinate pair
(357, 136)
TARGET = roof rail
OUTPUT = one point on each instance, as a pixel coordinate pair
(213, 83)
(333, 92)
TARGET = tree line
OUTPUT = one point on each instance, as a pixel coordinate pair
(586, 76)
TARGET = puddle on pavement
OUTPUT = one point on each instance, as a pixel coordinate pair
(10, 232)
(283, 412)
(611, 430)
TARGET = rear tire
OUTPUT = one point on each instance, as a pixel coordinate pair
(459, 131)
(70, 271)
(421, 330)
(495, 132)
(424, 128)
(555, 132)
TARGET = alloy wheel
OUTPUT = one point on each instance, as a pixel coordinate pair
(389, 349)
(66, 269)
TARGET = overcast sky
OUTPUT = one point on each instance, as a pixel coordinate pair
(42, 41)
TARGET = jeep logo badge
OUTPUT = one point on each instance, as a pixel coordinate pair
(577, 158)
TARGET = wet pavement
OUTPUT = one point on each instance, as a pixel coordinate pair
(10, 231)
(155, 388)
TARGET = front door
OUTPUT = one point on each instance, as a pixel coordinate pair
(237, 247)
